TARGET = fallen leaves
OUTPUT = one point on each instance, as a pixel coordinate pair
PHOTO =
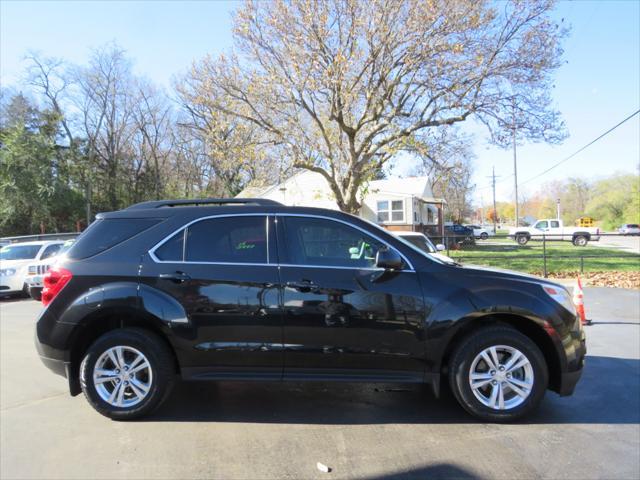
(602, 279)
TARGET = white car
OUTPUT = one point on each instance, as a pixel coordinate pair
(36, 271)
(480, 231)
(629, 229)
(421, 241)
(552, 229)
(15, 259)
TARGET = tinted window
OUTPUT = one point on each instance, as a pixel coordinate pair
(544, 224)
(19, 252)
(229, 239)
(555, 224)
(172, 249)
(316, 241)
(50, 251)
(106, 233)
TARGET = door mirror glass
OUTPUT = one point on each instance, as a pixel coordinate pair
(440, 247)
(389, 259)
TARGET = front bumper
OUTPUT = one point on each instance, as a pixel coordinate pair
(11, 283)
(569, 378)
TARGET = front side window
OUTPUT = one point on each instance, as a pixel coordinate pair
(227, 240)
(543, 224)
(390, 210)
(322, 242)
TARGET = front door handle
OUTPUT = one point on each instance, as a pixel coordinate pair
(303, 286)
(176, 277)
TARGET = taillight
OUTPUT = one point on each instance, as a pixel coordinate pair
(54, 281)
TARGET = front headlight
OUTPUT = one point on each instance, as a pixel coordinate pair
(562, 296)
(7, 272)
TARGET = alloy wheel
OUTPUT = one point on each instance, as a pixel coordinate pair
(122, 376)
(501, 377)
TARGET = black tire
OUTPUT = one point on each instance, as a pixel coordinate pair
(580, 241)
(25, 291)
(522, 239)
(470, 347)
(484, 236)
(35, 294)
(159, 357)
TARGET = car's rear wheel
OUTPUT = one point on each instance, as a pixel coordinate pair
(522, 239)
(484, 235)
(580, 241)
(498, 374)
(127, 373)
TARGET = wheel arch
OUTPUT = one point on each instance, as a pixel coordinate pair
(100, 322)
(524, 325)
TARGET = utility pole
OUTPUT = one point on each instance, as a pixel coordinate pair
(515, 164)
(495, 211)
(558, 209)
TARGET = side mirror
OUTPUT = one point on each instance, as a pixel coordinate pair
(440, 247)
(389, 259)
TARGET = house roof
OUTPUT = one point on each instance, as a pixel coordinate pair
(254, 192)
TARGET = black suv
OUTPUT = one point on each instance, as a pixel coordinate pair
(248, 289)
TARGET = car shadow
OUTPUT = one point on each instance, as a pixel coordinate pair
(609, 392)
(432, 472)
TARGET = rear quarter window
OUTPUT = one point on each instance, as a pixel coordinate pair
(106, 233)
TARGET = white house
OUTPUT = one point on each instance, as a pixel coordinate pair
(396, 204)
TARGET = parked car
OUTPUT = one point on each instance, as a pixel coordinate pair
(482, 232)
(253, 290)
(14, 259)
(424, 243)
(629, 229)
(460, 234)
(553, 230)
(36, 271)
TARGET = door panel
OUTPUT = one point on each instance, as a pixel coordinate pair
(233, 309)
(357, 319)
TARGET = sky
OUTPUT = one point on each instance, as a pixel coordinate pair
(597, 87)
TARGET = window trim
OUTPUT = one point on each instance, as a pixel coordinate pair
(390, 211)
(183, 228)
(155, 259)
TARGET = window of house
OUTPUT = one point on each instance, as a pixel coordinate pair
(390, 211)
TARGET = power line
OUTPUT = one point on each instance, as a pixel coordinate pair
(564, 159)
(582, 148)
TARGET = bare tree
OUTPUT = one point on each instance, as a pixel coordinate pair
(342, 85)
(106, 102)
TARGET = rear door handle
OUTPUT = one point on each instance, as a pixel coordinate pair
(303, 286)
(176, 277)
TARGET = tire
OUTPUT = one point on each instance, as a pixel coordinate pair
(522, 239)
(36, 294)
(464, 359)
(25, 291)
(580, 241)
(484, 236)
(158, 379)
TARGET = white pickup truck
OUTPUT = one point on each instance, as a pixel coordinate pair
(552, 229)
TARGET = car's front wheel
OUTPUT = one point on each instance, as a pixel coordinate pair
(484, 235)
(127, 373)
(498, 374)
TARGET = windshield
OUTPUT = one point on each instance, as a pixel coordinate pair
(421, 242)
(19, 252)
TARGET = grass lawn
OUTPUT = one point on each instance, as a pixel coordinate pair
(528, 258)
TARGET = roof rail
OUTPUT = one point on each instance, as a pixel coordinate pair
(203, 201)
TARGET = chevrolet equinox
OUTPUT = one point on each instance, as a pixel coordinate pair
(249, 289)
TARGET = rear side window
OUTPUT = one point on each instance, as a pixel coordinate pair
(106, 233)
(227, 240)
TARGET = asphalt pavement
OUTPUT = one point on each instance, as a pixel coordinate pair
(275, 430)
